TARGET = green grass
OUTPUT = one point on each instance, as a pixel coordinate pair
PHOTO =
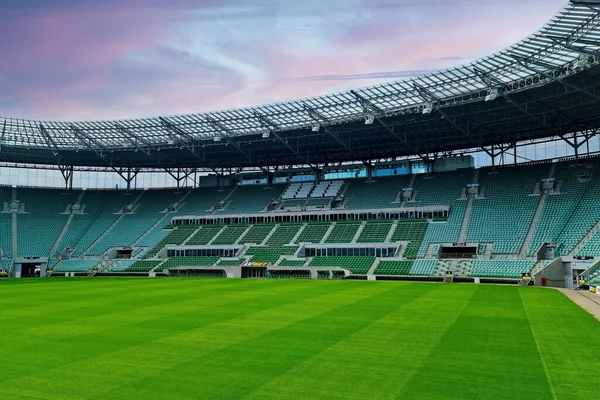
(127, 338)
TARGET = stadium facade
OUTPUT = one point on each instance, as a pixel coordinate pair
(484, 171)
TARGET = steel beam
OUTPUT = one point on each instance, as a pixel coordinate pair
(524, 64)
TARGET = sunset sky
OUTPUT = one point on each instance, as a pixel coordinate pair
(105, 59)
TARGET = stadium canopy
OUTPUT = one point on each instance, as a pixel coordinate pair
(543, 86)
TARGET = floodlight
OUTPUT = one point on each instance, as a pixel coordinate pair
(428, 108)
(217, 138)
(316, 127)
(582, 62)
(266, 134)
(369, 119)
(492, 95)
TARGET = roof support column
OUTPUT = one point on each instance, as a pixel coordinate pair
(180, 174)
(67, 174)
(369, 167)
(576, 144)
(127, 174)
(318, 174)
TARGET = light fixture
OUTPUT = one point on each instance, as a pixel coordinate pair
(582, 62)
(217, 138)
(428, 108)
(492, 95)
(266, 134)
(316, 127)
(369, 119)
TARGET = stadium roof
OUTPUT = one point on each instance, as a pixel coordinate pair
(547, 84)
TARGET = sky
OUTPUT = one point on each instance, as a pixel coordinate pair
(112, 59)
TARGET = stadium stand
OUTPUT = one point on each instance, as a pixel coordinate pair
(508, 206)
(99, 211)
(43, 219)
(91, 222)
(586, 212)
(147, 211)
(359, 194)
(251, 198)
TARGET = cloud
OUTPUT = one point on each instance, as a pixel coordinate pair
(132, 58)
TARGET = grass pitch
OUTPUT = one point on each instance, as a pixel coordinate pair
(258, 339)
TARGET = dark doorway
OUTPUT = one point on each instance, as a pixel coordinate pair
(29, 270)
(254, 272)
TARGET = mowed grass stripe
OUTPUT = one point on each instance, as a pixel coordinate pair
(239, 368)
(489, 351)
(28, 351)
(376, 361)
(567, 337)
(105, 366)
(94, 314)
(83, 296)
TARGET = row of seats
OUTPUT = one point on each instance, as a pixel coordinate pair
(356, 265)
(292, 262)
(343, 232)
(289, 274)
(230, 234)
(284, 234)
(499, 268)
(374, 232)
(142, 266)
(191, 261)
(74, 265)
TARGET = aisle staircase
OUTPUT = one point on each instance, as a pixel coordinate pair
(534, 224)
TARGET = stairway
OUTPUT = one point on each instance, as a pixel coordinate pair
(374, 266)
(217, 234)
(270, 234)
(533, 226)
(358, 232)
(328, 232)
(66, 227)
(390, 234)
(466, 219)
(297, 235)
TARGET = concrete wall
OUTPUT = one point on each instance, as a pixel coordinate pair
(554, 274)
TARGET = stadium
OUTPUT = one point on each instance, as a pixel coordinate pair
(399, 240)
